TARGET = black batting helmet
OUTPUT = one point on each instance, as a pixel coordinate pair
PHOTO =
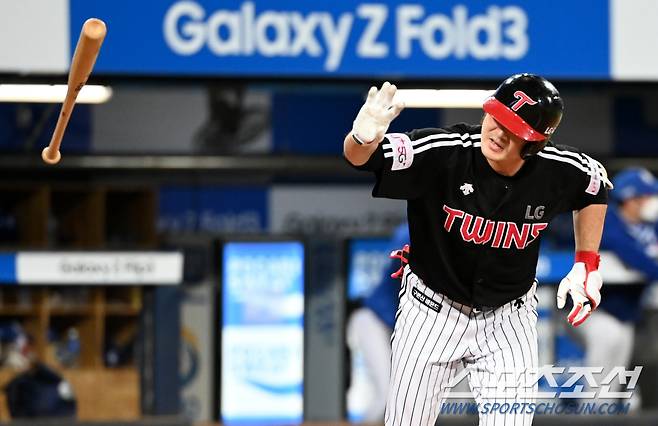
(529, 106)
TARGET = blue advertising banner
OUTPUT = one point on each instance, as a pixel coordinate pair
(221, 209)
(262, 356)
(8, 268)
(406, 39)
(367, 261)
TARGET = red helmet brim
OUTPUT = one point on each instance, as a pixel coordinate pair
(512, 121)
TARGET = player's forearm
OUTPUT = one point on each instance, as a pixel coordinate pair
(588, 227)
(355, 153)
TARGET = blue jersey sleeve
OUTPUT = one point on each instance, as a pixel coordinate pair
(617, 239)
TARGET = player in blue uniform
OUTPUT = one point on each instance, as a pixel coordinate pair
(370, 326)
(629, 233)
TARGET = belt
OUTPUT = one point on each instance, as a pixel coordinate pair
(436, 305)
(477, 309)
(518, 302)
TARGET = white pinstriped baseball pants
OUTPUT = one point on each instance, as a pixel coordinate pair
(435, 336)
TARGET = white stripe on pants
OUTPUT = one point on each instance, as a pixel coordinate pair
(429, 346)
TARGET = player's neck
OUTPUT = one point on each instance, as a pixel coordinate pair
(507, 167)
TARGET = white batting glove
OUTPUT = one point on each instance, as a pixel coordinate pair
(376, 114)
(583, 283)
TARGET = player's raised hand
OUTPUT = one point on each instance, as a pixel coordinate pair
(376, 114)
(583, 283)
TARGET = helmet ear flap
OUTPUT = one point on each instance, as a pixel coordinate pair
(532, 148)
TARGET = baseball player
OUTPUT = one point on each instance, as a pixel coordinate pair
(478, 198)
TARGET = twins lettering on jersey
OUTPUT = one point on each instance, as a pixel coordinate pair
(497, 234)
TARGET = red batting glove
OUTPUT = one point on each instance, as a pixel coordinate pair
(583, 283)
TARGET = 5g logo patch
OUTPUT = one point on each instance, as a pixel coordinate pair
(402, 154)
(402, 150)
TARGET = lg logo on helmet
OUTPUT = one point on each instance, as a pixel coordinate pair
(522, 99)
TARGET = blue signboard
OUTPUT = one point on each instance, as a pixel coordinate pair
(367, 262)
(463, 39)
(262, 340)
(8, 269)
(225, 209)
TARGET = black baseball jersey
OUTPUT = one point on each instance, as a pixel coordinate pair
(475, 233)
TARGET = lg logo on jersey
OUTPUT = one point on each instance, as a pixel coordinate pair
(538, 214)
(497, 234)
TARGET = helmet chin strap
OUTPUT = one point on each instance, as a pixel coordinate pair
(532, 148)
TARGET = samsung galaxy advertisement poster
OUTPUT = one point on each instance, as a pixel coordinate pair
(262, 332)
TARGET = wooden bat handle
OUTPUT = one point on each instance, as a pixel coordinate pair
(86, 51)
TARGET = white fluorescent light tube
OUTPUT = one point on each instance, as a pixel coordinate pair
(442, 98)
(52, 93)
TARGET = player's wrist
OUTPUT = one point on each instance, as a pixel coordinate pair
(357, 140)
(361, 140)
(591, 259)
